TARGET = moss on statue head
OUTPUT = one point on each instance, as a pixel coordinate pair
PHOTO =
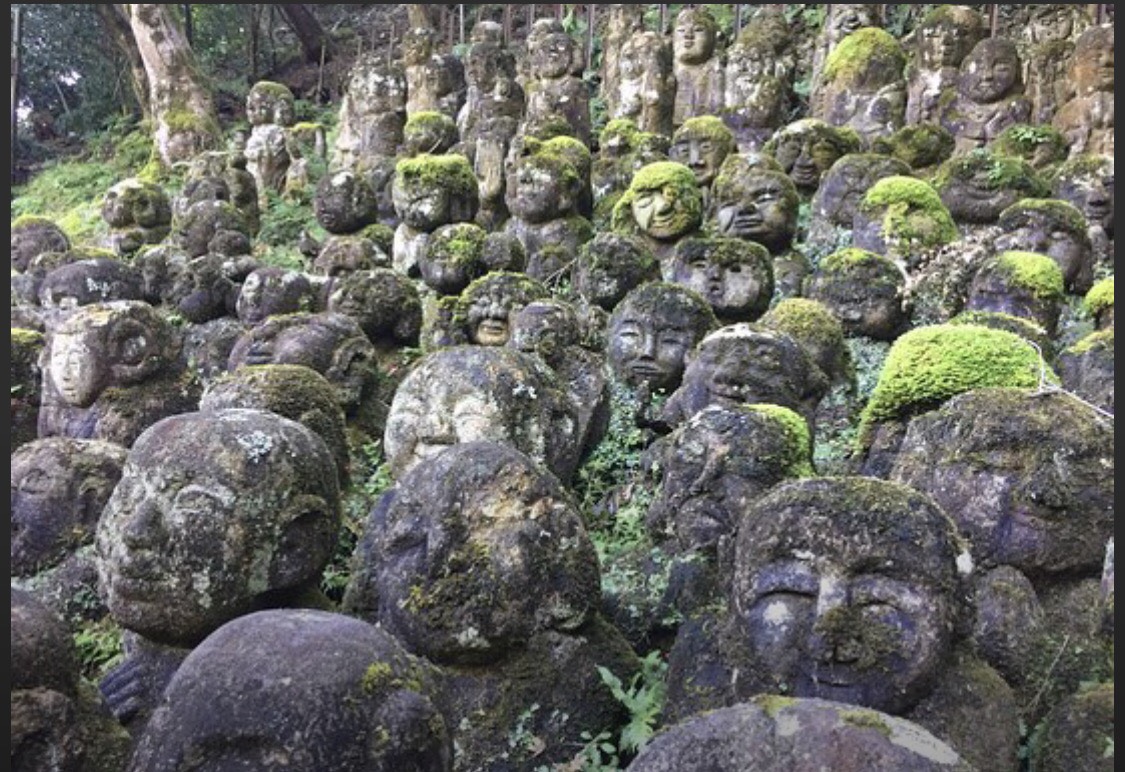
(452, 172)
(864, 58)
(919, 145)
(999, 172)
(709, 127)
(798, 440)
(1100, 296)
(913, 212)
(1039, 274)
(928, 365)
(676, 179)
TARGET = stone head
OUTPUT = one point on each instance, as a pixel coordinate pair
(848, 589)
(1091, 65)
(760, 205)
(453, 257)
(217, 514)
(344, 202)
(843, 186)
(429, 191)
(1023, 284)
(59, 487)
(701, 144)
(487, 511)
(133, 202)
(32, 236)
(270, 102)
(270, 291)
(488, 303)
(546, 328)
(663, 202)
(103, 345)
(733, 275)
(550, 49)
(695, 35)
(609, 265)
(542, 186)
(1086, 181)
(651, 332)
(1054, 228)
(991, 71)
(946, 35)
(977, 186)
(471, 393)
(307, 690)
(865, 290)
(808, 147)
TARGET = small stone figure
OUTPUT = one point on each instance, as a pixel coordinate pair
(430, 191)
(272, 291)
(978, 186)
(698, 67)
(651, 332)
(454, 256)
(750, 364)
(31, 236)
(553, 89)
(733, 275)
(807, 148)
(58, 720)
(372, 114)
(434, 82)
(862, 85)
(942, 40)
(809, 615)
(137, 213)
(271, 111)
(1054, 228)
(990, 95)
(82, 282)
(110, 370)
(468, 393)
(902, 218)
(329, 342)
(841, 190)
(623, 20)
(609, 265)
(702, 143)
(300, 690)
(543, 192)
(662, 205)
(647, 87)
(217, 514)
(759, 80)
(840, 21)
(484, 309)
(1086, 181)
(1087, 119)
(60, 486)
(1023, 284)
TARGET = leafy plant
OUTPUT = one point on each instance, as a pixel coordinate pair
(644, 699)
(99, 647)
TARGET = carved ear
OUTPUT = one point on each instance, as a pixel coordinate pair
(307, 539)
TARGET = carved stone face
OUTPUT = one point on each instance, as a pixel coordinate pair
(759, 206)
(538, 190)
(845, 19)
(1090, 190)
(734, 276)
(552, 55)
(132, 202)
(947, 40)
(30, 238)
(59, 487)
(990, 72)
(664, 212)
(1027, 477)
(746, 364)
(269, 104)
(270, 291)
(993, 288)
(469, 394)
(719, 461)
(651, 332)
(609, 265)
(815, 614)
(1092, 65)
(805, 153)
(208, 517)
(491, 512)
(842, 188)
(694, 37)
(867, 299)
(546, 328)
(331, 343)
(104, 345)
(424, 203)
(701, 153)
(344, 203)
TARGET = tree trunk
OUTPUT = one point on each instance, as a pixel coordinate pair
(115, 17)
(17, 15)
(423, 15)
(314, 41)
(183, 108)
(189, 28)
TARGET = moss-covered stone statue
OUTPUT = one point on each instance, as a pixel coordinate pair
(904, 219)
(554, 89)
(989, 96)
(977, 186)
(430, 191)
(862, 85)
(270, 110)
(137, 213)
(758, 81)
(1024, 284)
(1054, 228)
(942, 40)
(734, 275)
(110, 370)
(31, 236)
(865, 290)
(469, 393)
(447, 558)
(698, 65)
(662, 205)
(702, 143)
(809, 615)
(647, 86)
(807, 148)
(217, 514)
(833, 206)
(435, 82)
(372, 114)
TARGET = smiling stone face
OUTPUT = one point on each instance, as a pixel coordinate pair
(844, 589)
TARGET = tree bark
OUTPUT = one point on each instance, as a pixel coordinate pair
(183, 107)
(314, 42)
(116, 20)
(423, 15)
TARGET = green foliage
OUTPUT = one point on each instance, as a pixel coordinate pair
(99, 647)
(644, 699)
(370, 477)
